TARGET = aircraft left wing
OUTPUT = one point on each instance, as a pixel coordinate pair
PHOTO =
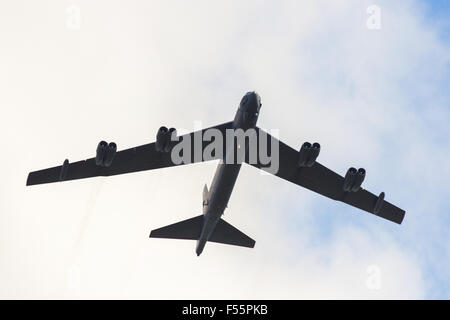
(324, 181)
(144, 157)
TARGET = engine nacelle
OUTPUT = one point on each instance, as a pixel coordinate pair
(110, 154)
(314, 153)
(162, 139)
(172, 137)
(105, 154)
(308, 154)
(303, 154)
(349, 179)
(353, 179)
(102, 149)
(360, 175)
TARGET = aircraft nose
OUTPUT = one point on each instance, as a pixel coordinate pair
(251, 101)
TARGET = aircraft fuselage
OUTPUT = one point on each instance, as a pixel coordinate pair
(227, 173)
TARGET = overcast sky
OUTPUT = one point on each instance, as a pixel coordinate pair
(369, 83)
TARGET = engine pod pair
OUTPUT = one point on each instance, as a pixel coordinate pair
(353, 179)
(308, 154)
(105, 153)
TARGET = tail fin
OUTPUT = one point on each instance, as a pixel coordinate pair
(189, 229)
(205, 192)
(227, 234)
(205, 198)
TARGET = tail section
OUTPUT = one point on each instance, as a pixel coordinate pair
(191, 229)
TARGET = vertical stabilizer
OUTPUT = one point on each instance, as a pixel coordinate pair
(205, 198)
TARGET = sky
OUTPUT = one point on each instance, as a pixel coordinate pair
(370, 86)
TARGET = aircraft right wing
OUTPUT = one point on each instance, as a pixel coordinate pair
(324, 181)
(144, 157)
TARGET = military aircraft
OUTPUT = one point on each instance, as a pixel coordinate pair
(299, 167)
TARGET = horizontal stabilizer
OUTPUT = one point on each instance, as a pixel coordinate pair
(227, 234)
(189, 229)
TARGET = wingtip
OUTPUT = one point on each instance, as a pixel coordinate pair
(402, 217)
(28, 183)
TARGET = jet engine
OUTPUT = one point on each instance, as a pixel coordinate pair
(349, 179)
(172, 135)
(110, 154)
(353, 179)
(308, 154)
(163, 139)
(360, 175)
(105, 154)
(102, 149)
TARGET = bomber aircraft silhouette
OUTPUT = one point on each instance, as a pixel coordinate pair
(299, 167)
